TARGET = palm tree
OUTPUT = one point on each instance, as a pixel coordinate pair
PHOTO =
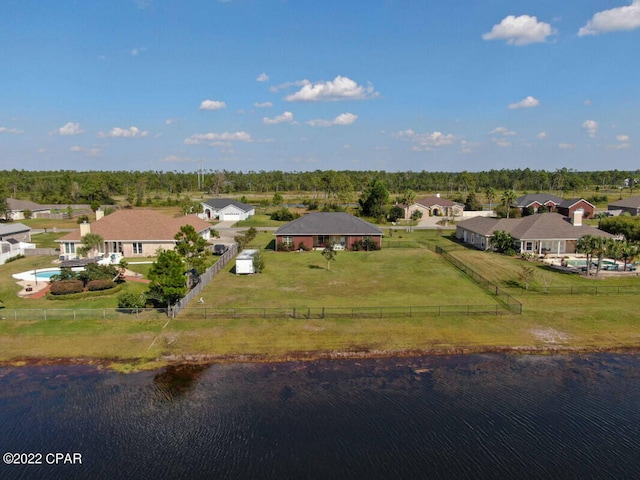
(490, 193)
(599, 250)
(508, 197)
(628, 252)
(586, 245)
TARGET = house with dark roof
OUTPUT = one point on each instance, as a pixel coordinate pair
(433, 206)
(535, 201)
(15, 231)
(630, 205)
(567, 207)
(226, 209)
(317, 230)
(18, 207)
(543, 233)
(133, 233)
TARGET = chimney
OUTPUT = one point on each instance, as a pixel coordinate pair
(99, 214)
(84, 229)
(576, 220)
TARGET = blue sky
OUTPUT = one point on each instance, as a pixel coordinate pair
(300, 85)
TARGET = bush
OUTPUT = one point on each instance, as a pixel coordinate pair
(364, 245)
(283, 215)
(65, 287)
(132, 300)
(285, 247)
(100, 284)
(303, 247)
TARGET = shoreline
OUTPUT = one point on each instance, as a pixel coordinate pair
(132, 365)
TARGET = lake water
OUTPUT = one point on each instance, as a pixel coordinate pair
(452, 417)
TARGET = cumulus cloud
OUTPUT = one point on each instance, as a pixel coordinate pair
(218, 138)
(92, 152)
(567, 146)
(521, 30)
(342, 119)
(591, 126)
(285, 117)
(613, 20)
(136, 51)
(542, 135)
(502, 131)
(70, 129)
(622, 138)
(263, 105)
(426, 141)
(263, 77)
(14, 131)
(131, 132)
(341, 88)
(501, 142)
(527, 102)
(624, 142)
(212, 105)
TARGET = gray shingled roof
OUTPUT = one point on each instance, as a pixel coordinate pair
(328, 223)
(542, 198)
(544, 226)
(631, 202)
(220, 203)
(572, 201)
(13, 227)
(21, 205)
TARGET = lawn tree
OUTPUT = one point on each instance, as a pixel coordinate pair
(373, 200)
(416, 215)
(90, 242)
(330, 254)
(526, 275)
(503, 242)
(395, 213)
(192, 248)
(258, 262)
(277, 199)
(547, 279)
(5, 211)
(167, 276)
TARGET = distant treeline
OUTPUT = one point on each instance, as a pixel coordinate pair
(66, 186)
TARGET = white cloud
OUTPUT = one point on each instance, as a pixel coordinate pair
(285, 117)
(502, 131)
(263, 105)
(521, 30)
(567, 146)
(91, 152)
(285, 85)
(14, 131)
(131, 132)
(588, 102)
(426, 141)
(341, 88)
(342, 119)
(70, 129)
(136, 51)
(501, 142)
(591, 126)
(263, 77)
(619, 146)
(542, 135)
(613, 20)
(622, 138)
(218, 138)
(212, 105)
(528, 102)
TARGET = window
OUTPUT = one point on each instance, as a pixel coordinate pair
(323, 240)
(137, 248)
(528, 246)
(287, 240)
(69, 248)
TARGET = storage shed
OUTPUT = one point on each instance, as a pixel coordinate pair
(244, 262)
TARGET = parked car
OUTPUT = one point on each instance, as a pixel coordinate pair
(219, 249)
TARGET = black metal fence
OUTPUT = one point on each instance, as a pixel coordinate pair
(342, 312)
(509, 302)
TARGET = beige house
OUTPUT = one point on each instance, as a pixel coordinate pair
(133, 233)
(543, 233)
(434, 206)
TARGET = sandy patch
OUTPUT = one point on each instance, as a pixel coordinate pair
(549, 335)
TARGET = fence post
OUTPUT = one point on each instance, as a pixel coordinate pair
(45, 313)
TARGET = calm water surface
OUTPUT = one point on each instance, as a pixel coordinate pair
(456, 417)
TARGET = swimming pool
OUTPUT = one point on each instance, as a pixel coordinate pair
(41, 274)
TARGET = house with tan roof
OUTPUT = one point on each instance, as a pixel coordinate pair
(133, 233)
(543, 233)
(433, 206)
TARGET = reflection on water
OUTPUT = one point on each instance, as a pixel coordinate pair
(460, 417)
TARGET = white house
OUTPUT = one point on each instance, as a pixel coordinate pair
(226, 209)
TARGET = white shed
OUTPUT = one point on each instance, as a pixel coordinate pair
(244, 262)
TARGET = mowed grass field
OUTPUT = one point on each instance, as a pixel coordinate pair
(391, 277)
